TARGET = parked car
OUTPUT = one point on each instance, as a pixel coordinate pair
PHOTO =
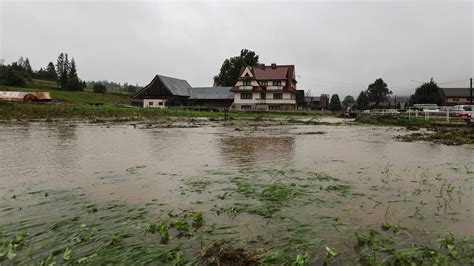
(462, 110)
(426, 107)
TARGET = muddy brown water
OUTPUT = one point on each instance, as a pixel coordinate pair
(419, 185)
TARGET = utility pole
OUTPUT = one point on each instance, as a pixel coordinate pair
(471, 93)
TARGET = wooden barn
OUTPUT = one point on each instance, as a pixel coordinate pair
(166, 91)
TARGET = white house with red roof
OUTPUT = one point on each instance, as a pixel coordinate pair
(264, 87)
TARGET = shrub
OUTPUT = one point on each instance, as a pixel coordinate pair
(99, 88)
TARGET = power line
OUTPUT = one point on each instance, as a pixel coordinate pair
(455, 81)
(441, 83)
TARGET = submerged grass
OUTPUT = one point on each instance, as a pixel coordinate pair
(447, 137)
(51, 112)
(266, 223)
(402, 121)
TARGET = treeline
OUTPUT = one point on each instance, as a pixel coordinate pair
(110, 85)
(64, 73)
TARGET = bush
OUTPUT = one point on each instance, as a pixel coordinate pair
(11, 77)
(75, 84)
(99, 88)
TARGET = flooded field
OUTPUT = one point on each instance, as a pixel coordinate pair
(240, 191)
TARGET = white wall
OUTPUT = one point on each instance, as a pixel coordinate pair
(286, 98)
(154, 103)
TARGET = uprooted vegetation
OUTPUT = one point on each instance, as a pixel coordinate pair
(247, 217)
(447, 137)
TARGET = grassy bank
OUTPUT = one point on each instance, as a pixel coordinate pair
(447, 137)
(404, 121)
(24, 111)
(78, 97)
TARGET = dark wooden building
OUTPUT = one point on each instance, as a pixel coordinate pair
(166, 91)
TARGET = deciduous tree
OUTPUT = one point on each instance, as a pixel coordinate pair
(230, 69)
(335, 103)
(362, 100)
(428, 92)
(378, 92)
(348, 101)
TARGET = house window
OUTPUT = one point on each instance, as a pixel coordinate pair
(246, 83)
(263, 96)
(160, 103)
(150, 103)
(456, 99)
(274, 107)
(246, 107)
(246, 95)
(263, 83)
(277, 83)
(277, 96)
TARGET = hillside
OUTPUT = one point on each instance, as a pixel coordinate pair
(79, 97)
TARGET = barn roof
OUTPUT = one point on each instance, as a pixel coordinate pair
(211, 93)
(456, 92)
(177, 87)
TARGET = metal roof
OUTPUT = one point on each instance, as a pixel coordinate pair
(456, 92)
(177, 87)
(211, 93)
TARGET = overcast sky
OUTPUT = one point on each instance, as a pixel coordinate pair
(337, 47)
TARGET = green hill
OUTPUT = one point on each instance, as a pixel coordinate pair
(78, 97)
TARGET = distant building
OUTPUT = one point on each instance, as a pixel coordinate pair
(317, 102)
(300, 100)
(211, 96)
(166, 91)
(456, 96)
(264, 87)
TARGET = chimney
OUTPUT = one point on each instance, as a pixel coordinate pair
(274, 66)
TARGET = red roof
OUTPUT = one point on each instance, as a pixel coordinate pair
(271, 72)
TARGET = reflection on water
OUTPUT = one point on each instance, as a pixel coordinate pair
(255, 150)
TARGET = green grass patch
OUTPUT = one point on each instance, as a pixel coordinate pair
(447, 137)
(77, 97)
(399, 121)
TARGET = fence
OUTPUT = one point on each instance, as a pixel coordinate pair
(441, 116)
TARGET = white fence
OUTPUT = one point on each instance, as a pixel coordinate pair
(448, 116)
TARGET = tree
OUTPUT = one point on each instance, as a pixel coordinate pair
(362, 100)
(27, 67)
(21, 63)
(230, 69)
(12, 77)
(51, 72)
(61, 71)
(348, 101)
(99, 88)
(335, 103)
(378, 91)
(73, 82)
(428, 92)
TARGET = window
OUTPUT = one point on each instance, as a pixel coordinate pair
(246, 95)
(160, 103)
(277, 96)
(456, 99)
(263, 96)
(150, 103)
(246, 107)
(277, 83)
(274, 107)
(263, 83)
(246, 83)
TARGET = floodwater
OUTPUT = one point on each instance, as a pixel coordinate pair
(420, 186)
